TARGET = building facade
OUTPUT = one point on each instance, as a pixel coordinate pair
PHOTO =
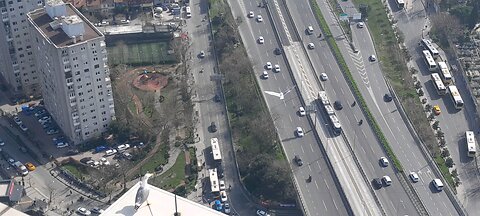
(16, 54)
(73, 67)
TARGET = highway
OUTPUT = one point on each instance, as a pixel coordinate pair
(393, 198)
(371, 82)
(321, 196)
(415, 24)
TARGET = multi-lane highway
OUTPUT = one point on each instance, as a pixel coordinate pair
(373, 87)
(361, 137)
(414, 23)
(321, 196)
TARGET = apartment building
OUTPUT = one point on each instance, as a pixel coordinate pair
(17, 65)
(72, 60)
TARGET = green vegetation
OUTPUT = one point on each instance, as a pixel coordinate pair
(444, 170)
(75, 170)
(351, 80)
(139, 54)
(260, 158)
(173, 177)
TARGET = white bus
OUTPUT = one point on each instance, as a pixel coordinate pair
(322, 95)
(217, 155)
(456, 98)
(431, 64)
(401, 4)
(214, 180)
(444, 72)
(471, 144)
(439, 86)
(188, 11)
(427, 44)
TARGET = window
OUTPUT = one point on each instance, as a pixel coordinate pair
(100, 93)
(99, 86)
(86, 70)
(96, 66)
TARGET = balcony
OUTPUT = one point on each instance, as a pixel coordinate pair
(69, 83)
(76, 123)
(73, 104)
(75, 117)
(111, 106)
(103, 44)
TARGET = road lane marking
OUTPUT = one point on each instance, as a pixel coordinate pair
(326, 184)
(324, 205)
(311, 147)
(316, 185)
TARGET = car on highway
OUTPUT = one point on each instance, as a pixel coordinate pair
(309, 30)
(387, 180)
(360, 24)
(262, 213)
(213, 127)
(377, 183)
(2, 143)
(261, 40)
(259, 18)
(83, 211)
(323, 77)
(384, 162)
(298, 160)
(277, 51)
(414, 177)
(251, 14)
(311, 46)
(437, 110)
(338, 105)
(437, 183)
(221, 184)
(23, 127)
(223, 196)
(300, 132)
(276, 68)
(17, 120)
(265, 74)
(202, 54)
(30, 166)
(372, 58)
(387, 97)
(301, 111)
(226, 208)
(268, 66)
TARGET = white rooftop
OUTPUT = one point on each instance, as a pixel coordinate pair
(160, 203)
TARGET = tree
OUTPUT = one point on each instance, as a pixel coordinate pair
(445, 153)
(446, 27)
(449, 162)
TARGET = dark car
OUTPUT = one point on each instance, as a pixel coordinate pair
(298, 160)
(277, 51)
(213, 127)
(217, 98)
(85, 159)
(220, 171)
(387, 97)
(377, 183)
(338, 105)
(73, 152)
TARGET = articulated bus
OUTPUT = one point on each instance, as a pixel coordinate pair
(456, 98)
(188, 11)
(444, 72)
(427, 44)
(431, 64)
(439, 86)
(400, 4)
(471, 144)
(214, 180)
(217, 155)
(327, 107)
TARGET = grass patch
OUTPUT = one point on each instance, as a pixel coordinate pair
(444, 170)
(172, 177)
(74, 170)
(139, 54)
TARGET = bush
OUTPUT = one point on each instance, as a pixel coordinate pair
(445, 153)
(449, 162)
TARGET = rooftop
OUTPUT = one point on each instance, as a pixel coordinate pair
(160, 203)
(7, 210)
(43, 21)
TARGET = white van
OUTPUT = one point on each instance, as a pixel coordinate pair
(310, 30)
(438, 184)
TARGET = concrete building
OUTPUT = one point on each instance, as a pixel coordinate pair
(72, 63)
(17, 64)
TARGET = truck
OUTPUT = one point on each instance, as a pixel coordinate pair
(20, 168)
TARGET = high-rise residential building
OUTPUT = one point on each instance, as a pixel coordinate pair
(72, 64)
(17, 64)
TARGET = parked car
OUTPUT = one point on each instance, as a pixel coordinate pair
(97, 210)
(262, 213)
(223, 196)
(110, 152)
(44, 119)
(17, 120)
(23, 127)
(222, 185)
(127, 156)
(123, 147)
(40, 113)
(226, 208)
(83, 211)
(62, 144)
(52, 131)
(100, 149)
(2, 143)
(72, 152)
(104, 161)
(30, 166)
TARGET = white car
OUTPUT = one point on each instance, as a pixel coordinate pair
(372, 58)
(110, 152)
(17, 120)
(223, 196)
(414, 177)
(262, 213)
(265, 74)
(23, 127)
(276, 68)
(300, 132)
(323, 77)
(360, 24)
(62, 145)
(384, 161)
(83, 211)
(268, 66)
(222, 185)
(104, 161)
(44, 119)
(2, 143)
(259, 18)
(311, 46)
(301, 111)
(261, 40)
(250, 14)
(123, 147)
(387, 180)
